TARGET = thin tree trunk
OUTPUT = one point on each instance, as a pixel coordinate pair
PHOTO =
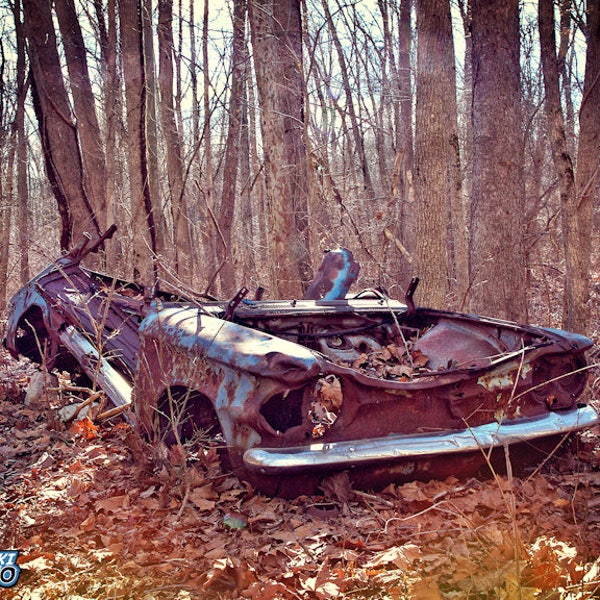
(587, 179)
(163, 240)
(232, 146)
(113, 108)
(210, 237)
(183, 243)
(467, 151)
(6, 201)
(565, 66)
(256, 180)
(404, 169)
(391, 87)
(350, 104)
(467, 102)
(249, 217)
(563, 163)
(194, 76)
(23, 213)
(385, 92)
(316, 148)
(23, 210)
(143, 245)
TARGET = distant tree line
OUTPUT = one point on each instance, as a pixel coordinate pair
(233, 141)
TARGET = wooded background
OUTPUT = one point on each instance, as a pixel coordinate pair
(232, 141)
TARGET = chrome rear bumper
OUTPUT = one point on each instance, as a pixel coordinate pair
(343, 455)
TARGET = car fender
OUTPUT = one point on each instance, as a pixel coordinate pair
(26, 299)
(183, 346)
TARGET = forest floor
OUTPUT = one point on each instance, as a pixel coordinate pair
(95, 513)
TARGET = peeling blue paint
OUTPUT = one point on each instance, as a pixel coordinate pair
(237, 346)
(337, 273)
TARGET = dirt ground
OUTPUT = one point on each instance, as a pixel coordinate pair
(97, 513)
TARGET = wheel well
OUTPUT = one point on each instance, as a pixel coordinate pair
(32, 334)
(184, 413)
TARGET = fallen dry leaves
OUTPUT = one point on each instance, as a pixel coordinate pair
(96, 513)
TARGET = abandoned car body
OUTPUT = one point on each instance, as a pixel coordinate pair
(298, 389)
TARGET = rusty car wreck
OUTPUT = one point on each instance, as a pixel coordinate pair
(299, 389)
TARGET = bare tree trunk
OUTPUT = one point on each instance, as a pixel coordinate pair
(498, 268)
(404, 168)
(350, 105)
(249, 218)
(59, 136)
(433, 148)
(181, 226)
(194, 77)
(6, 201)
(390, 94)
(23, 213)
(316, 148)
(23, 210)
(162, 239)
(113, 108)
(563, 163)
(384, 90)
(277, 41)
(466, 17)
(92, 149)
(256, 179)
(467, 147)
(587, 179)
(209, 248)
(232, 145)
(565, 69)
(143, 245)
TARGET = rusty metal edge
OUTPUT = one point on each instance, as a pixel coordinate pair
(116, 387)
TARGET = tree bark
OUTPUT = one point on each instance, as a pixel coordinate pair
(181, 226)
(277, 41)
(587, 179)
(23, 212)
(435, 147)
(193, 76)
(113, 110)
(143, 235)
(6, 201)
(497, 264)
(232, 145)
(403, 177)
(58, 132)
(565, 59)
(563, 165)
(23, 203)
(84, 104)
(162, 239)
